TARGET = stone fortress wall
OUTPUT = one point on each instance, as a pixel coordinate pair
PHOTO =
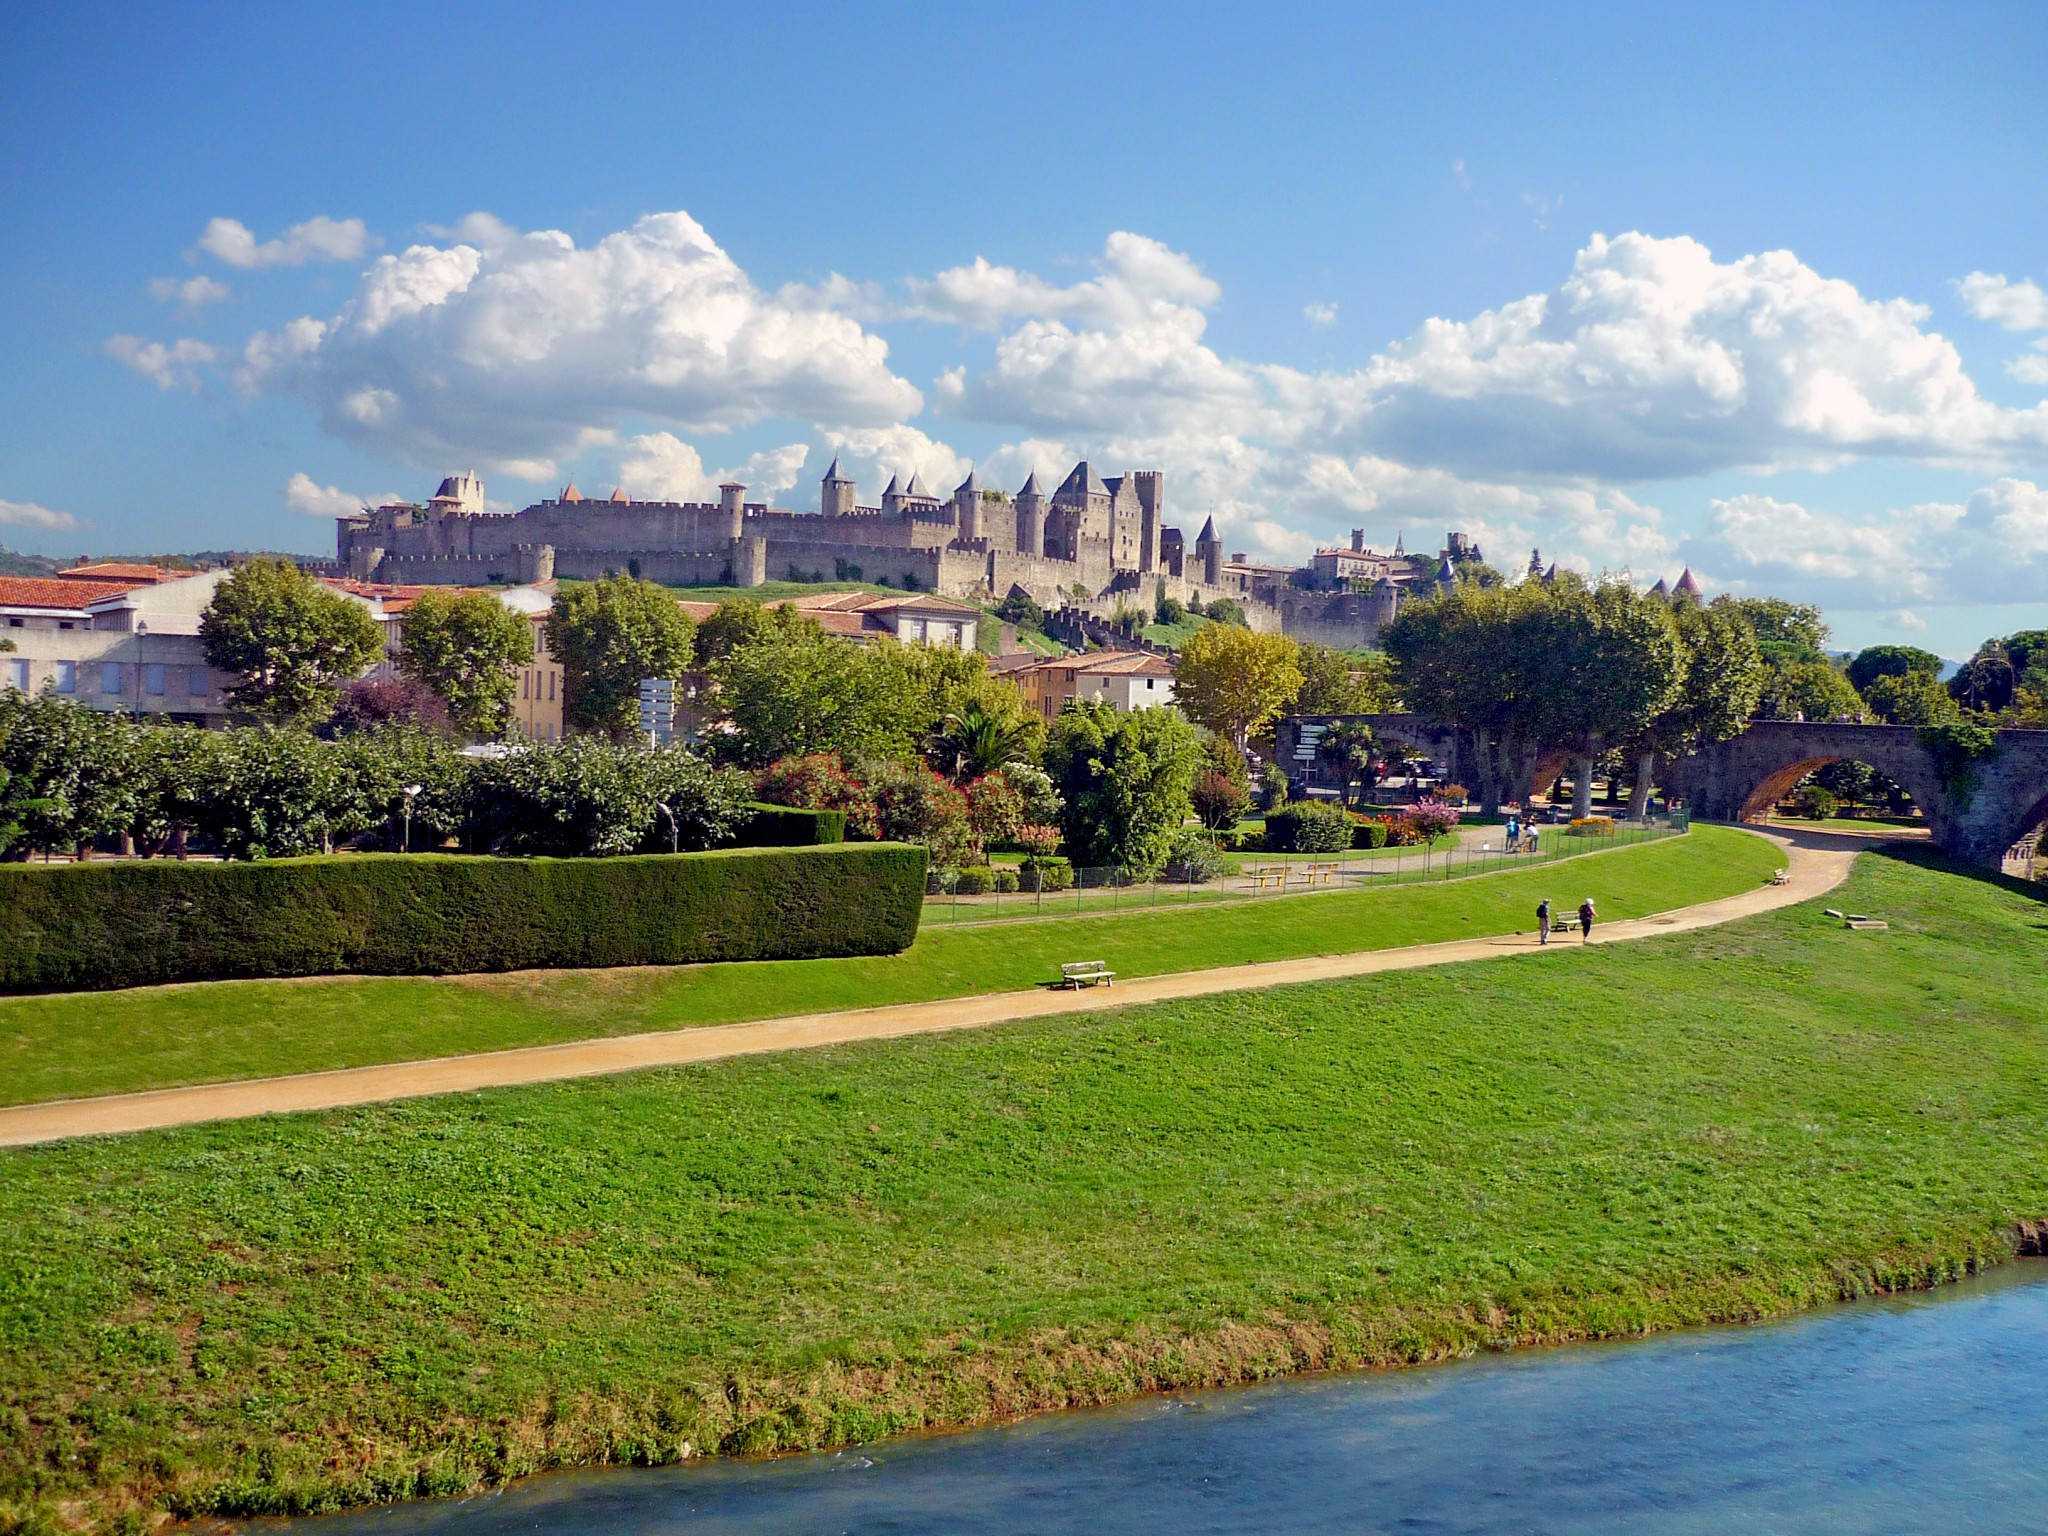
(1092, 542)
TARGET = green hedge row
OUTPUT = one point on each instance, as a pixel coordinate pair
(788, 826)
(134, 923)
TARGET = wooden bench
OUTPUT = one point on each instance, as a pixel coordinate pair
(1274, 876)
(1566, 923)
(1781, 877)
(1086, 973)
(1319, 874)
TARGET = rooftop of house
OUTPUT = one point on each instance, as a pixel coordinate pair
(126, 572)
(58, 594)
(858, 614)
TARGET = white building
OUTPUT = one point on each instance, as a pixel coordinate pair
(114, 637)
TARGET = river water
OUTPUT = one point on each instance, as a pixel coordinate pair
(1927, 1413)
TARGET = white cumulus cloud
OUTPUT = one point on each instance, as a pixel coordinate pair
(1320, 314)
(190, 294)
(302, 493)
(512, 352)
(659, 466)
(231, 242)
(2020, 306)
(28, 514)
(169, 367)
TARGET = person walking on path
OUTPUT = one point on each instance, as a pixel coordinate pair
(1543, 921)
(1586, 919)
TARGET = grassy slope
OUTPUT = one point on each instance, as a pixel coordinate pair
(827, 1245)
(77, 1044)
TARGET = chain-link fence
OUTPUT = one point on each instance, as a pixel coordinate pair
(1008, 892)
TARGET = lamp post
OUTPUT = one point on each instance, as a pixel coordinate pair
(409, 791)
(674, 840)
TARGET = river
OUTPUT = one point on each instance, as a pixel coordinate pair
(1922, 1413)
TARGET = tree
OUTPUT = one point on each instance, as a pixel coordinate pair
(71, 769)
(1785, 632)
(1911, 698)
(1623, 662)
(1234, 680)
(1722, 677)
(1125, 779)
(741, 621)
(1986, 681)
(1337, 682)
(287, 642)
(1875, 661)
(984, 733)
(466, 647)
(608, 635)
(1226, 610)
(371, 703)
(1807, 690)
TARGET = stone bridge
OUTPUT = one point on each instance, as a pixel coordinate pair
(1742, 778)
(2006, 796)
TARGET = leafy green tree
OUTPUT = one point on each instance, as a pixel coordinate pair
(287, 642)
(1785, 632)
(608, 635)
(741, 621)
(1986, 682)
(1911, 698)
(1125, 779)
(1622, 662)
(588, 796)
(1226, 610)
(1721, 679)
(1875, 661)
(1337, 682)
(1807, 690)
(71, 770)
(467, 647)
(792, 693)
(1236, 681)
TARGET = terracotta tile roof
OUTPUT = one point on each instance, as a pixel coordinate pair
(126, 572)
(58, 592)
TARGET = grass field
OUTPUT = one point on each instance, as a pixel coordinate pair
(826, 1246)
(1864, 826)
(109, 1042)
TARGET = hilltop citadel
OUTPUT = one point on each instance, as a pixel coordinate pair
(1092, 543)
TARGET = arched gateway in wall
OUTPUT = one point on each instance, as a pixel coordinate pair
(2005, 798)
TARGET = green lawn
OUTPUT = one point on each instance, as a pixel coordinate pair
(1866, 826)
(108, 1042)
(825, 1246)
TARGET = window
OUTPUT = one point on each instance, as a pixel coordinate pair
(17, 674)
(67, 677)
(525, 683)
(153, 679)
(110, 677)
(195, 683)
(551, 686)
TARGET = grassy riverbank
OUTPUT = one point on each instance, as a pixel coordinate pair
(111, 1042)
(825, 1246)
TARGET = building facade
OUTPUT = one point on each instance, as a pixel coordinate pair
(119, 638)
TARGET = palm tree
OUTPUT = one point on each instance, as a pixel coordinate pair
(974, 742)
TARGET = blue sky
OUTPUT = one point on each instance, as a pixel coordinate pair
(1757, 290)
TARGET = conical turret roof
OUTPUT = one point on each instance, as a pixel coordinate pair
(570, 493)
(916, 486)
(894, 489)
(1031, 487)
(833, 473)
(1687, 584)
(1446, 573)
(970, 485)
(619, 495)
(1662, 589)
(1208, 533)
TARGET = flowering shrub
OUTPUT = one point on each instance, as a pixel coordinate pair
(1220, 801)
(994, 809)
(818, 781)
(1433, 818)
(1457, 794)
(1591, 826)
(914, 805)
(1038, 841)
(1190, 860)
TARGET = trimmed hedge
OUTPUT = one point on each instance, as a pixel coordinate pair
(131, 924)
(1310, 826)
(789, 826)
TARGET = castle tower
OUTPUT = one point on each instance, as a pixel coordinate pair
(733, 504)
(1209, 553)
(1150, 485)
(1358, 541)
(1172, 552)
(1687, 586)
(1535, 562)
(967, 508)
(1080, 513)
(835, 492)
(462, 495)
(892, 499)
(1031, 518)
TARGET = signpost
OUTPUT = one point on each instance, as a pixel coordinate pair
(658, 710)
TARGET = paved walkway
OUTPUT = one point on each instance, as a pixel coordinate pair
(1817, 862)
